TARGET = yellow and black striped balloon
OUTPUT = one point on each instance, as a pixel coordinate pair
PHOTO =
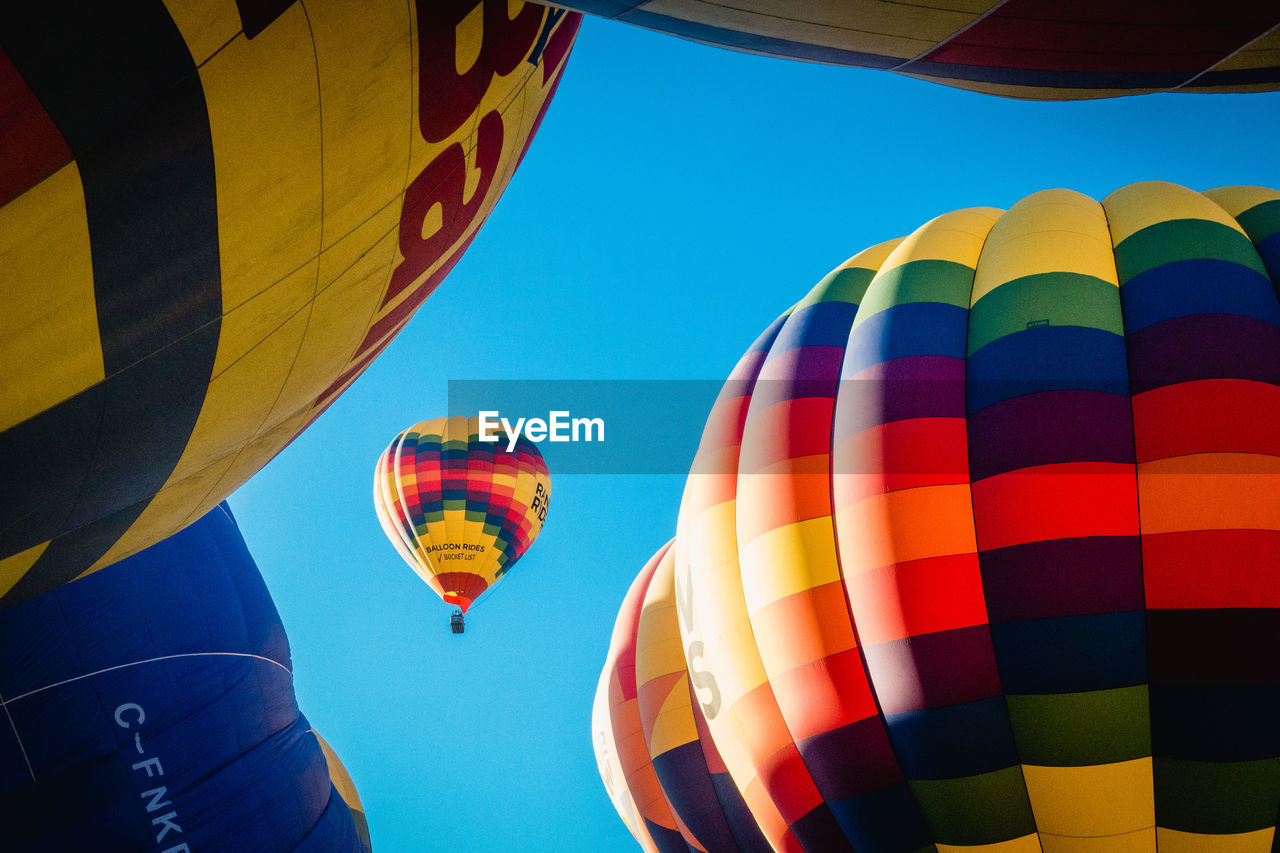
(213, 216)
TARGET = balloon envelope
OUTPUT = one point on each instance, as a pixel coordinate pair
(979, 547)
(1019, 48)
(346, 788)
(151, 707)
(671, 788)
(460, 510)
(212, 218)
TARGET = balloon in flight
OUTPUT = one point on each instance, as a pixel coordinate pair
(213, 217)
(460, 510)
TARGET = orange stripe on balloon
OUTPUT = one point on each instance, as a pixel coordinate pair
(804, 627)
(1210, 491)
(912, 524)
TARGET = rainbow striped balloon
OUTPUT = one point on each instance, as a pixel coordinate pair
(459, 510)
(981, 547)
(671, 785)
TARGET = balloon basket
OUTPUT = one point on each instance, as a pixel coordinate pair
(456, 623)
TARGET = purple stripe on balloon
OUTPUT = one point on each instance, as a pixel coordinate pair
(923, 386)
(1063, 577)
(1203, 346)
(796, 374)
(933, 670)
(851, 760)
(1050, 427)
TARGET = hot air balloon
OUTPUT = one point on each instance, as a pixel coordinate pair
(212, 219)
(1017, 48)
(460, 510)
(151, 707)
(346, 788)
(979, 548)
(661, 770)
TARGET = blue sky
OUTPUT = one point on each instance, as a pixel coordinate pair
(677, 198)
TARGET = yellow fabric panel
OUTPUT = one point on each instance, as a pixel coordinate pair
(1236, 200)
(674, 724)
(1262, 52)
(257, 453)
(659, 654)
(240, 396)
(215, 460)
(1138, 841)
(957, 237)
(707, 579)
(872, 258)
(787, 560)
(341, 779)
(206, 25)
(1049, 231)
(469, 40)
(1030, 93)
(868, 26)
(175, 506)
(367, 123)
(331, 336)
(1173, 841)
(1092, 800)
(719, 606)
(47, 293)
(386, 493)
(264, 114)
(346, 789)
(1025, 844)
(1210, 491)
(1137, 206)
(658, 648)
(610, 768)
(884, 529)
(250, 323)
(13, 567)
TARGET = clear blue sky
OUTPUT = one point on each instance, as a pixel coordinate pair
(677, 198)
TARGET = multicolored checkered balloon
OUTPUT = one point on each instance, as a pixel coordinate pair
(981, 546)
(459, 510)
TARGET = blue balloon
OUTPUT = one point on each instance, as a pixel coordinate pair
(150, 707)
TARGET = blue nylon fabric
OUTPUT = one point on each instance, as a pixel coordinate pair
(153, 704)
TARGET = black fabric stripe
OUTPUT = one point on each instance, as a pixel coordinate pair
(257, 15)
(120, 84)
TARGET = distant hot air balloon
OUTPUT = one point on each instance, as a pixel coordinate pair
(661, 770)
(213, 217)
(346, 788)
(1018, 48)
(980, 547)
(460, 510)
(151, 707)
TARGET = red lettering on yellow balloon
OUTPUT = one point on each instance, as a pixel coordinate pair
(447, 98)
(443, 182)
